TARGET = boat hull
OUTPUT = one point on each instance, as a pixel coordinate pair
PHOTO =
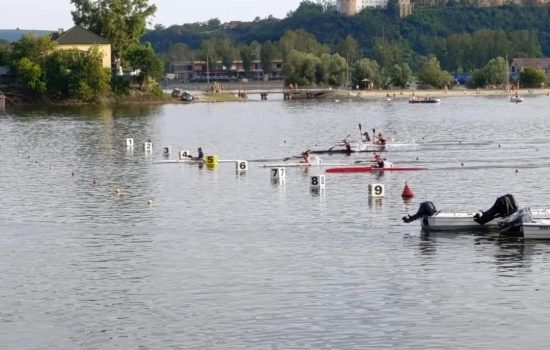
(539, 229)
(425, 101)
(464, 221)
(369, 169)
(455, 222)
(293, 165)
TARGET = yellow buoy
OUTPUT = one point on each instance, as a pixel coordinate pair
(211, 160)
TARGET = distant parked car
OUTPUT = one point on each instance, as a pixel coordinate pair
(176, 93)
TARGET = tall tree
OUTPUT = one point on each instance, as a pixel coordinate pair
(532, 77)
(30, 75)
(388, 53)
(120, 21)
(267, 55)
(143, 57)
(246, 56)
(431, 74)
(367, 69)
(349, 49)
(179, 52)
(32, 47)
(302, 41)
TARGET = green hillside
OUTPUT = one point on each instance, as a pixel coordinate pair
(16, 34)
(420, 30)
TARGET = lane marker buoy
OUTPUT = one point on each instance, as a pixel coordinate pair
(407, 192)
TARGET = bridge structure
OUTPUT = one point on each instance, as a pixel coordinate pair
(288, 93)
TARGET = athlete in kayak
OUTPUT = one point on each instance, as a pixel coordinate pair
(306, 159)
(380, 139)
(200, 154)
(379, 160)
(347, 145)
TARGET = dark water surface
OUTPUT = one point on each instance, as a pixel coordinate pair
(226, 261)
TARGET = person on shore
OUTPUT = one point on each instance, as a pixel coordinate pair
(378, 160)
(380, 139)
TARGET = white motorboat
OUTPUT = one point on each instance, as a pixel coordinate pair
(505, 206)
(516, 99)
(529, 223)
(538, 229)
(454, 221)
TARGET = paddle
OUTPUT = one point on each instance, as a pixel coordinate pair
(373, 135)
(330, 149)
(366, 134)
(367, 161)
(300, 156)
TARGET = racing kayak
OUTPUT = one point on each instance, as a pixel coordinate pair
(191, 161)
(368, 169)
(291, 165)
(344, 151)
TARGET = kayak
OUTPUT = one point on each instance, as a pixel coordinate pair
(290, 165)
(343, 151)
(191, 161)
(368, 169)
(186, 161)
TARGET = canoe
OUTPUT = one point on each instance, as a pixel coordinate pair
(368, 169)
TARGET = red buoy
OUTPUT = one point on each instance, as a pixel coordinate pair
(407, 192)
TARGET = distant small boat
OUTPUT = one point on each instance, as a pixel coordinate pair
(427, 99)
(516, 99)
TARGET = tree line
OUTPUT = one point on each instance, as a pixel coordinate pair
(41, 70)
(460, 38)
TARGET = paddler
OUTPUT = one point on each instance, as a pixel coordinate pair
(380, 139)
(379, 160)
(200, 154)
(306, 159)
(347, 145)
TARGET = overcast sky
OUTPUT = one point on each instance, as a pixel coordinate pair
(53, 14)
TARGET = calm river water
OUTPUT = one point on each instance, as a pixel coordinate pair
(227, 261)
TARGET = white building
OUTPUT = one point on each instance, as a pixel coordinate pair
(353, 7)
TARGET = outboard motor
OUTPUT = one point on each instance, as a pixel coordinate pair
(426, 209)
(514, 221)
(504, 206)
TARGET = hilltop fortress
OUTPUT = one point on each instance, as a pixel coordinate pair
(352, 7)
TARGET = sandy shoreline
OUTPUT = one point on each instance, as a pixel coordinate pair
(407, 94)
(392, 94)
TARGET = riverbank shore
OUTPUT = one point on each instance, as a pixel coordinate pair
(340, 94)
(407, 94)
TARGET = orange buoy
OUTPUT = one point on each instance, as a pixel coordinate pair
(407, 192)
